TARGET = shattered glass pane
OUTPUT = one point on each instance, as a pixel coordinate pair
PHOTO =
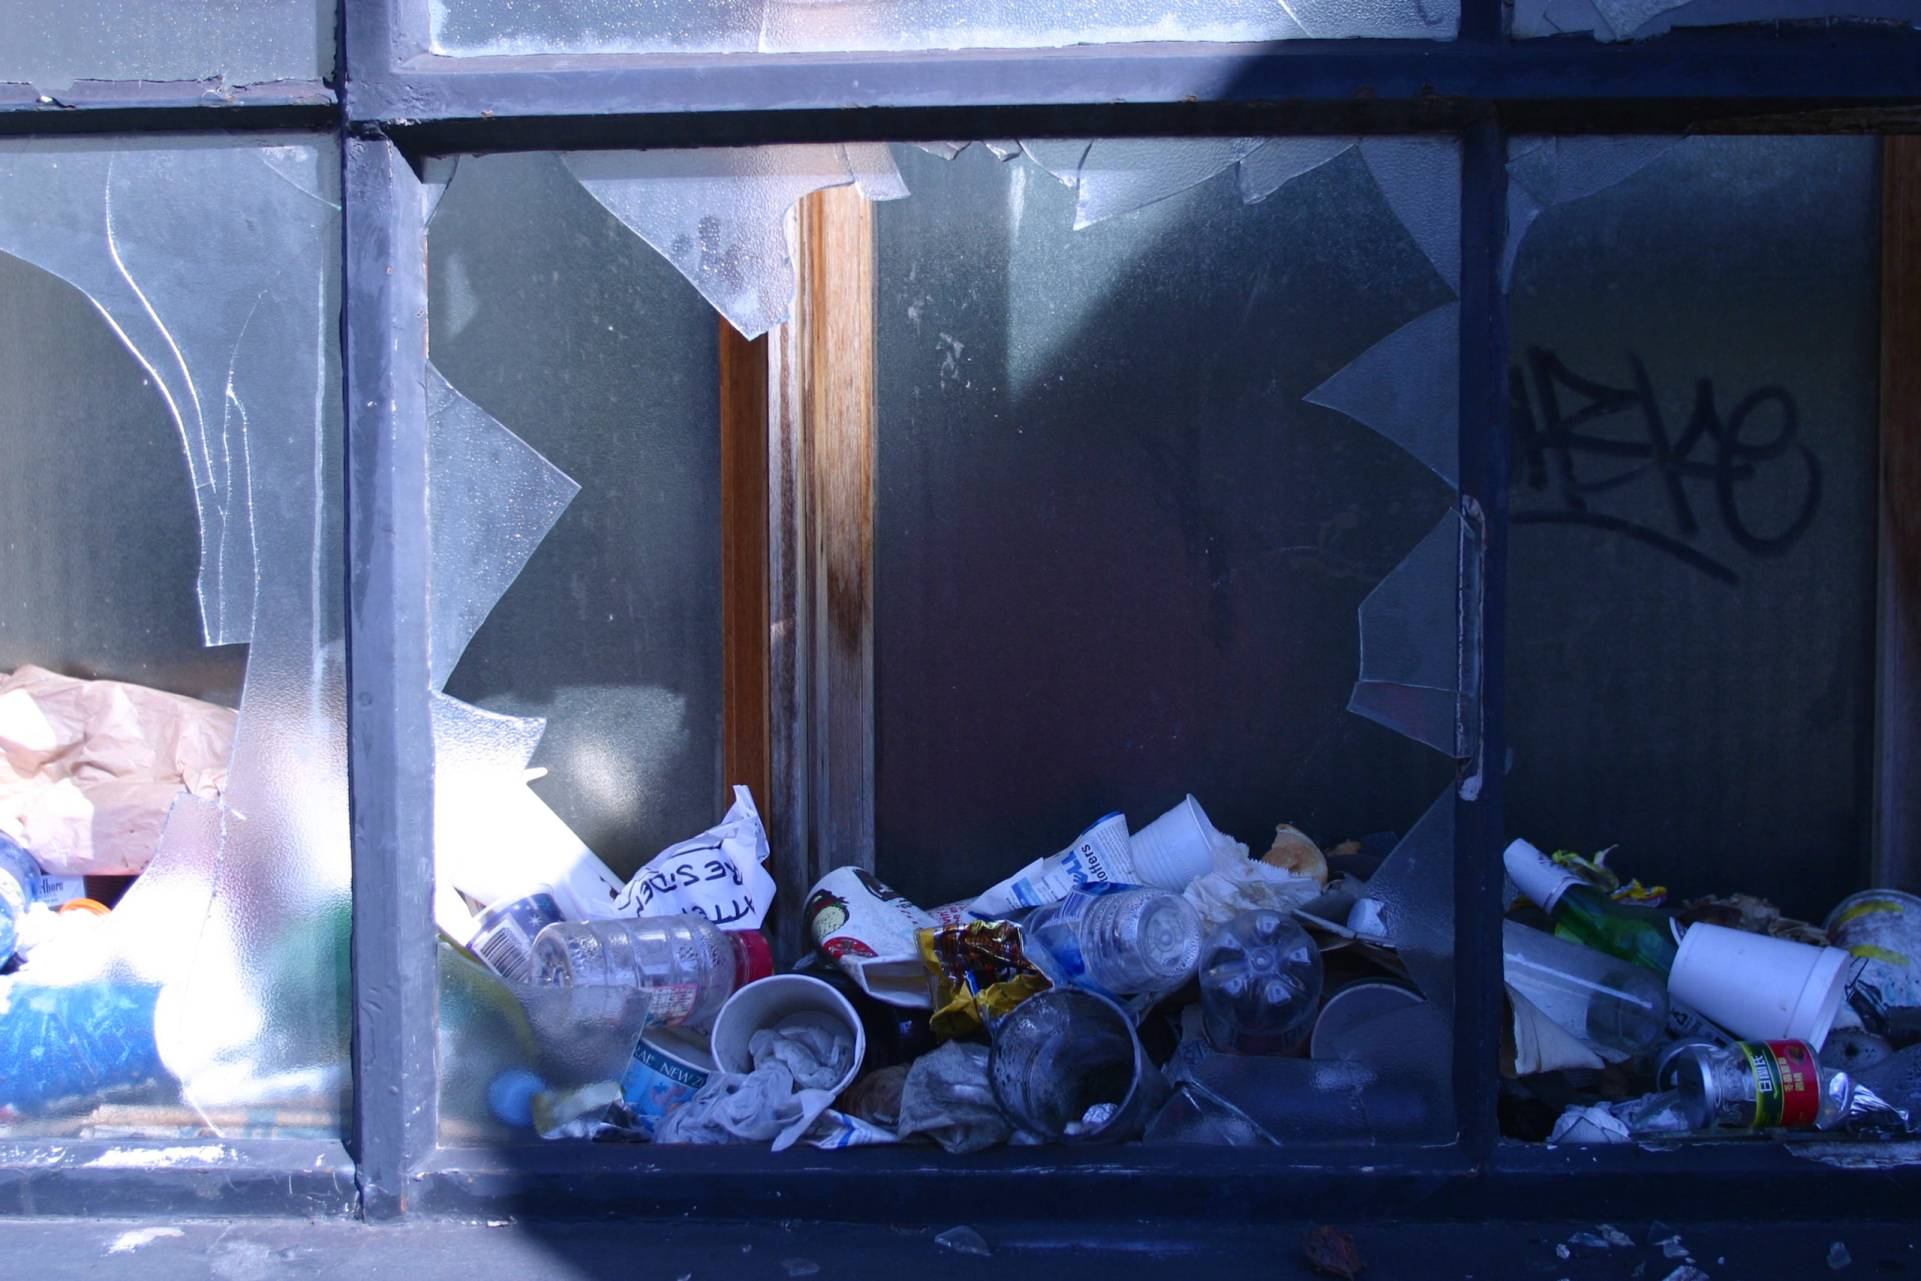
(1417, 662)
(1641, 19)
(51, 44)
(467, 28)
(198, 282)
(720, 215)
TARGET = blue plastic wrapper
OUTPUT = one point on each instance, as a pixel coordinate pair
(78, 1042)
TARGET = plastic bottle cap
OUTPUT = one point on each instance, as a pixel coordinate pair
(753, 957)
(94, 906)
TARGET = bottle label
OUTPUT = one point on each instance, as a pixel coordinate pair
(1536, 875)
(1787, 1084)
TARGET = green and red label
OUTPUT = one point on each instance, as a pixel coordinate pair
(1787, 1085)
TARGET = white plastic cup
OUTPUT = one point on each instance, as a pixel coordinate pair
(1179, 846)
(1758, 987)
(783, 1000)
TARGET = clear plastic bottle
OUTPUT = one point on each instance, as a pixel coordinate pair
(1260, 984)
(686, 965)
(22, 884)
(1120, 940)
(1608, 1002)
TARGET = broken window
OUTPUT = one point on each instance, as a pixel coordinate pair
(1693, 602)
(1145, 422)
(468, 28)
(1643, 19)
(173, 797)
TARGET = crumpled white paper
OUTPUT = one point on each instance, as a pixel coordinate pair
(1542, 1045)
(90, 769)
(720, 874)
(791, 1087)
(1247, 885)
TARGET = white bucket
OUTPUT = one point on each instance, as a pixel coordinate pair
(1758, 987)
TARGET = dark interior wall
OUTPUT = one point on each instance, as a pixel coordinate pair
(1691, 639)
(588, 345)
(1118, 558)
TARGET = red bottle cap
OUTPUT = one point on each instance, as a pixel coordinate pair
(753, 957)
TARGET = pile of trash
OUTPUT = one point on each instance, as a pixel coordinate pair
(1636, 1024)
(1159, 985)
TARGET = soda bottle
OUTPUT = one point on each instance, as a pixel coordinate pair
(1117, 939)
(686, 965)
(1587, 914)
(1761, 1085)
(1260, 984)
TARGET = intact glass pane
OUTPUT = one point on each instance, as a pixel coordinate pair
(468, 28)
(1691, 662)
(173, 806)
(51, 44)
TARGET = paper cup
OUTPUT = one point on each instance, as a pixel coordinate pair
(1346, 1008)
(1757, 987)
(1178, 846)
(777, 1001)
(668, 1068)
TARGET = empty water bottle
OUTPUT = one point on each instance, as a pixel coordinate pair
(685, 966)
(1608, 1002)
(1260, 984)
(1116, 939)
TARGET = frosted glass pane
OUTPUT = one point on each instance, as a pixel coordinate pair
(50, 44)
(172, 514)
(479, 27)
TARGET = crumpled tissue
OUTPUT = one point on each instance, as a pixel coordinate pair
(90, 769)
(1247, 885)
(791, 1088)
(949, 1097)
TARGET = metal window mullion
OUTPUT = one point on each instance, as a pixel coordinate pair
(396, 1089)
(1483, 471)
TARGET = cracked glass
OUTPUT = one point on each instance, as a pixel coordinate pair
(1643, 19)
(174, 878)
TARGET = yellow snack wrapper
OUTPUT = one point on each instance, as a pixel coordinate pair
(979, 971)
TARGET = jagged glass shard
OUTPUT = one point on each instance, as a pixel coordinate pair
(1412, 650)
(1278, 161)
(1120, 175)
(215, 262)
(1414, 891)
(1004, 148)
(875, 172)
(51, 44)
(1407, 387)
(1544, 172)
(1421, 180)
(437, 173)
(719, 214)
(1060, 157)
(494, 499)
(494, 839)
(944, 150)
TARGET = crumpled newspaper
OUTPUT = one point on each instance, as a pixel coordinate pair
(1247, 885)
(949, 1097)
(720, 874)
(90, 769)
